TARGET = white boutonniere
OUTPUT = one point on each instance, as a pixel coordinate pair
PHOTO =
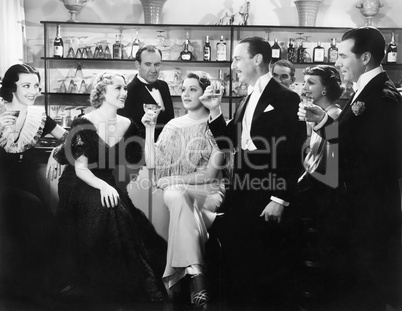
(358, 107)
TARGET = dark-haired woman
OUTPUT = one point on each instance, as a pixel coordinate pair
(323, 84)
(188, 163)
(25, 218)
(110, 252)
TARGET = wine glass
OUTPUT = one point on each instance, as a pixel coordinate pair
(70, 43)
(155, 109)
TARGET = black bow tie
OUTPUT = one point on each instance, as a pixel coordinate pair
(152, 86)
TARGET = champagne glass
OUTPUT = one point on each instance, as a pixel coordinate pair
(155, 109)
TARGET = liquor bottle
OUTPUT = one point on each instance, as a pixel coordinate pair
(135, 46)
(318, 53)
(207, 50)
(300, 53)
(118, 48)
(221, 50)
(332, 52)
(276, 51)
(392, 50)
(58, 46)
(186, 54)
(292, 52)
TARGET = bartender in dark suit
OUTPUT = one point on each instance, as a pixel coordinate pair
(146, 88)
(267, 139)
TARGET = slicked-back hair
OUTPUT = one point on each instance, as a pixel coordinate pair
(149, 48)
(367, 39)
(258, 45)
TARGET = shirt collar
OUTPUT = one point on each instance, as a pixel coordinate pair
(142, 79)
(260, 84)
(366, 77)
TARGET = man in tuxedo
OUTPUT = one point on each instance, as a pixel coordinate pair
(146, 88)
(361, 235)
(284, 72)
(266, 138)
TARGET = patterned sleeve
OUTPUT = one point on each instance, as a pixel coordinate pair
(81, 140)
(50, 124)
(211, 139)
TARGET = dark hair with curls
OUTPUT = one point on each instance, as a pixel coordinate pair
(202, 78)
(149, 48)
(367, 39)
(258, 45)
(329, 77)
(99, 87)
(12, 75)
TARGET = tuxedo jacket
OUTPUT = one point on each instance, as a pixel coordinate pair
(137, 95)
(365, 208)
(278, 136)
(370, 136)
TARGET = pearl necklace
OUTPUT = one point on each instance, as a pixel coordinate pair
(110, 122)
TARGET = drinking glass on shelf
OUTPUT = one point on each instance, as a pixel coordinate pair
(69, 44)
(81, 51)
(62, 87)
(88, 48)
(107, 53)
(160, 37)
(99, 51)
(72, 87)
(83, 87)
(155, 109)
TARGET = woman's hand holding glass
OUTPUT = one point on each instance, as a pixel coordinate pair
(212, 98)
(151, 114)
(8, 119)
(310, 112)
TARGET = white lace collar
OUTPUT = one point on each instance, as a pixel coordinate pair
(30, 132)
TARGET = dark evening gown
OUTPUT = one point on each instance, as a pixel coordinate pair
(25, 219)
(110, 255)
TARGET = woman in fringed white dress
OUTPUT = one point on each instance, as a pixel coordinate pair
(188, 164)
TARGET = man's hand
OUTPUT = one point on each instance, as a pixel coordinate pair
(273, 211)
(312, 113)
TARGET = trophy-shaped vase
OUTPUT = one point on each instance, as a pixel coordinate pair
(74, 7)
(369, 9)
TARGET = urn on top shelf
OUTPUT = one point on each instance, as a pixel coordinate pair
(74, 7)
(307, 11)
(153, 11)
(369, 9)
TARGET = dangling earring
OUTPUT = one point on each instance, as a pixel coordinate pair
(323, 93)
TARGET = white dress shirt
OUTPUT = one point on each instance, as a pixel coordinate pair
(155, 93)
(256, 91)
